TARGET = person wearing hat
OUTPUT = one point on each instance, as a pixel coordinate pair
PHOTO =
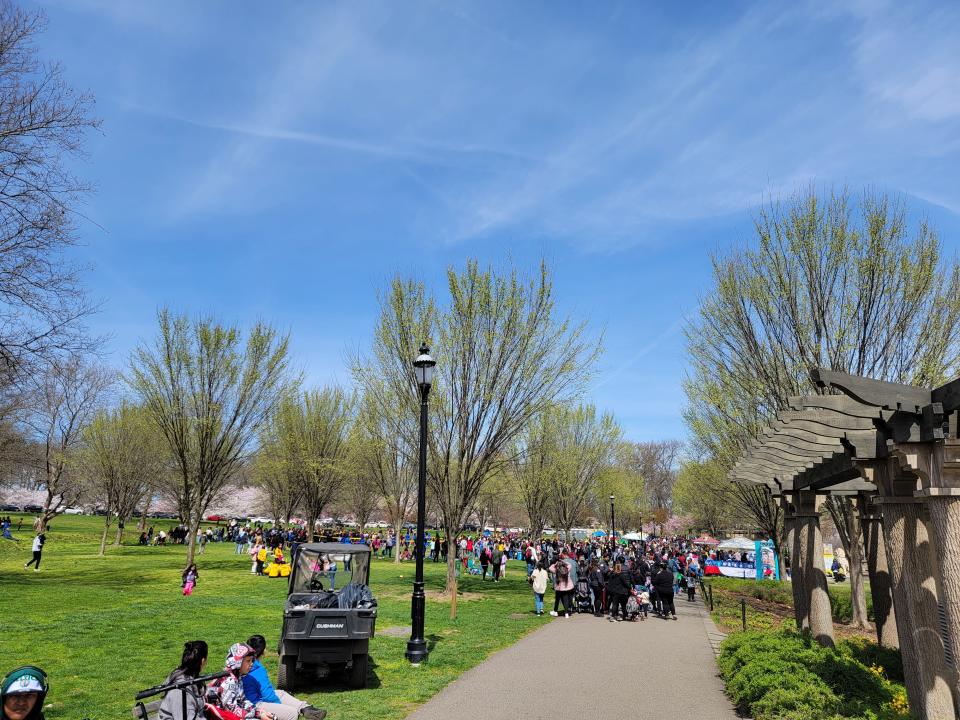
(260, 691)
(22, 692)
(227, 692)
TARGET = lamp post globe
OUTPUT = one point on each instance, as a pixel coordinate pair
(417, 645)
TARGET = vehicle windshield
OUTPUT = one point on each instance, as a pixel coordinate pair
(317, 570)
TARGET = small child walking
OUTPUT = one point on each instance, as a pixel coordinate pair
(190, 577)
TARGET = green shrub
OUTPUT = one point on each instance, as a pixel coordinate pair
(786, 676)
(873, 655)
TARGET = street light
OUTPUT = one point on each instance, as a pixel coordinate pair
(613, 522)
(417, 645)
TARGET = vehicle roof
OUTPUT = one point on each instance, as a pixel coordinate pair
(335, 547)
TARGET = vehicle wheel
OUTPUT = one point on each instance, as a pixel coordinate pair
(286, 673)
(358, 673)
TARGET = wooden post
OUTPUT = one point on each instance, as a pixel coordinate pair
(884, 616)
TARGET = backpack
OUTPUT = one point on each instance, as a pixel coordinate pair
(262, 555)
(563, 570)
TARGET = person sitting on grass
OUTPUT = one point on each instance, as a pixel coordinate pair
(192, 662)
(260, 691)
(226, 693)
(22, 692)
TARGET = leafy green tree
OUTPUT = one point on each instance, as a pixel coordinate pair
(208, 393)
(585, 446)
(386, 454)
(62, 401)
(702, 491)
(123, 460)
(829, 282)
(503, 357)
(532, 467)
(310, 434)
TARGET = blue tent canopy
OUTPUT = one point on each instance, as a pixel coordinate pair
(599, 533)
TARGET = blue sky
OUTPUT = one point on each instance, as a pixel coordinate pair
(283, 160)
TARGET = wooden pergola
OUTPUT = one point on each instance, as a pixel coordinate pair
(894, 448)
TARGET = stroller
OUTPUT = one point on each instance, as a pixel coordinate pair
(582, 597)
(634, 607)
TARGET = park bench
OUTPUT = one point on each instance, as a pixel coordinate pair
(148, 711)
(151, 710)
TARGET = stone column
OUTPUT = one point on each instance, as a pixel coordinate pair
(884, 616)
(801, 607)
(945, 526)
(810, 541)
(941, 461)
(912, 571)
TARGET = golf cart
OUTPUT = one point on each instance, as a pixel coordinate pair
(330, 614)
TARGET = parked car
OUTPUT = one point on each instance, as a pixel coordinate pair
(10, 508)
(73, 511)
(215, 518)
(32, 508)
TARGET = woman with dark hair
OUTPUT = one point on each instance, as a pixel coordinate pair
(192, 662)
(190, 577)
(618, 588)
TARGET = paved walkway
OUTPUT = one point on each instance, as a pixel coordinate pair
(584, 667)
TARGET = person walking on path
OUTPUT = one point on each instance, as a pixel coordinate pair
(618, 588)
(563, 585)
(538, 582)
(38, 542)
(596, 582)
(485, 561)
(663, 584)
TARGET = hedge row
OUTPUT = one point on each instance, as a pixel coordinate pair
(785, 676)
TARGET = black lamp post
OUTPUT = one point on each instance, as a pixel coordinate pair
(417, 645)
(613, 523)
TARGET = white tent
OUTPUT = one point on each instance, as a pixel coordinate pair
(738, 543)
(632, 536)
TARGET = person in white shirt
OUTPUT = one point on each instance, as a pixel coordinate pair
(538, 583)
(37, 552)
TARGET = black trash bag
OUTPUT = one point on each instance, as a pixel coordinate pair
(353, 596)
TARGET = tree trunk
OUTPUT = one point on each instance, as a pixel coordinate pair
(103, 536)
(847, 519)
(884, 617)
(398, 526)
(192, 540)
(452, 578)
(858, 594)
(143, 516)
(119, 536)
(312, 527)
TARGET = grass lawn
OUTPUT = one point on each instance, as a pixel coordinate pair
(770, 605)
(104, 628)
